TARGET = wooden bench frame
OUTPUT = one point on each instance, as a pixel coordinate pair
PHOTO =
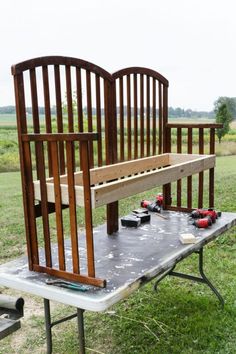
(129, 113)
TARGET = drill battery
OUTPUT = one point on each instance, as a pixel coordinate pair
(203, 223)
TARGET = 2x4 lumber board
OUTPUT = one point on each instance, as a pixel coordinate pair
(79, 193)
(178, 158)
(136, 184)
(111, 172)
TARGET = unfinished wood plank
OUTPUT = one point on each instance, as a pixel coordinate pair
(111, 172)
(128, 186)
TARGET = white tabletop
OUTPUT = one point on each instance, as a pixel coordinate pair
(127, 260)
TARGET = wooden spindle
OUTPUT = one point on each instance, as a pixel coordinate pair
(89, 114)
(201, 176)
(128, 118)
(141, 117)
(59, 117)
(135, 117)
(121, 93)
(79, 100)
(148, 114)
(44, 202)
(88, 209)
(154, 133)
(179, 182)
(160, 128)
(72, 206)
(47, 114)
(58, 205)
(99, 123)
(212, 170)
(189, 179)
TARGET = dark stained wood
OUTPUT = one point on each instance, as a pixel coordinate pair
(148, 114)
(160, 145)
(59, 116)
(71, 276)
(60, 137)
(201, 175)
(47, 114)
(189, 179)
(88, 208)
(154, 132)
(128, 118)
(98, 119)
(121, 97)
(212, 170)
(58, 206)
(179, 182)
(135, 116)
(31, 237)
(89, 113)
(28, 192)
(194, 125)
(141, 118)
(72, 206)
(43, 191)
(141, 71)
(79, 100)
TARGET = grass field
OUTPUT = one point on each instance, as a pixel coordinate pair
(183, 317)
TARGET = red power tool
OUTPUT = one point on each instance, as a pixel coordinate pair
(203, 223)
(159, 199)
(202, 213)
(151, 206)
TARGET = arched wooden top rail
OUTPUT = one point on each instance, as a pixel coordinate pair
(60, 60)
(141, 70)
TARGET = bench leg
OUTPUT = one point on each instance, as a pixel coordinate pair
(203, 279)
(49, 324)
(112, 217)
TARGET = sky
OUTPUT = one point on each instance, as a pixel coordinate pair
(190, 42)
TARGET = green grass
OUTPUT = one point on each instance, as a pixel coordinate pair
(182, 317)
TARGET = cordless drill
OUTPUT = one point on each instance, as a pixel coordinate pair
(202, 213)
(151, 206)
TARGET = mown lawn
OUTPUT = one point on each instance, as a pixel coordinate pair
(182, 317)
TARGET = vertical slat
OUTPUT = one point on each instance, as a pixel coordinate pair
(99, 124)
(189, 179)
(44, 202)
(212, 170)
(25, 162)
(154, 133)
(35, 112)
(28, 198)
(89, 113)
(166, 132)
(47, 114)
(121, 93)
(88, 209)
(58, 206)
(135, 117)
(72, 206)
(160, 128)
(128, 118)
(201, 176)
(179, 182)
(148, 114)
(59, 116)
(69, 100)
(141, 117)
(79, 100)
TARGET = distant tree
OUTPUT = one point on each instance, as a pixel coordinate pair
(223, 116)
(230, 103)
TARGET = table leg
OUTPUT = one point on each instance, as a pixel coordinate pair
(80, 318)
(48, 325)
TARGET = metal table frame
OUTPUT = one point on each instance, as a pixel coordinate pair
(80, 312)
